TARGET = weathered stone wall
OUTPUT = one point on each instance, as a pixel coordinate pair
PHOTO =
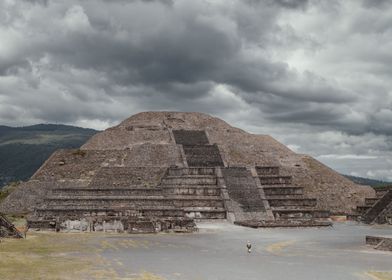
(128, 176)
(77, 164)
(25, 197)
(153, 155)
(333, 191)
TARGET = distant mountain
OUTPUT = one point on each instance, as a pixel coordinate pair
(367, 181)
(24, 149)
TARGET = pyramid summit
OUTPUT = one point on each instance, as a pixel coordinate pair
(161, 170)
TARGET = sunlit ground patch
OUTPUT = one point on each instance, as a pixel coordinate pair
(277, 248)
(380, 275)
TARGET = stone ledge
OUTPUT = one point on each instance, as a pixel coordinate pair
(383, 243)
(284, 223)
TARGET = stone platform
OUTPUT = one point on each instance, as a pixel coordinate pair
(383, 243)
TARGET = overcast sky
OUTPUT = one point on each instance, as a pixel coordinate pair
(316, 75)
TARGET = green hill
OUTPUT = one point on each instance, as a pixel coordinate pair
(24, 149)
(367, 181)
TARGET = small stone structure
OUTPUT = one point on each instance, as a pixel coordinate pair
(7, 229)
(377, 209)
(162, 170)
(383, 243)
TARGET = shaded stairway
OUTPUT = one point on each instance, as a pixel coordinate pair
(197, 150)
(246, 201)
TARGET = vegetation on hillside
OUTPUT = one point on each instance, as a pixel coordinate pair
(367, 181)
(24, 149)
(5, 191)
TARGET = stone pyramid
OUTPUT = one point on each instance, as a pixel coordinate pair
(162, 170)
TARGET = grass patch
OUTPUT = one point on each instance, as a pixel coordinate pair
(45, 256)
(7, 190)
(79, 152)
(385, 275)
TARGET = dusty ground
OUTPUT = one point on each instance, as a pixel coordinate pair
(216, 252)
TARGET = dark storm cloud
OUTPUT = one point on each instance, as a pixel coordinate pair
(376, 3)
(270, 66)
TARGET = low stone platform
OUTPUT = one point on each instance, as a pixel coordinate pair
(383, 243)
(284, 223)
(116, 224)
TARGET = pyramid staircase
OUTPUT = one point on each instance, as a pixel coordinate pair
(198, 151)
(246, 200)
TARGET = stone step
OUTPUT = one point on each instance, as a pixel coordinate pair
(300, 213)
(284, 223)
(190, 137)
(81, 207)
(280, 202)
(362, 209)
(287, 196)
(191, 180)
(292, 207)
(132, 198)
(135, 202)
(106, 191)
(208, 209)
(205, 212)
(191, 171)
(275, 180)
(243, 192)
(267, 170)
(205, 190)
(79, 211)
(283, 190)
(371, 201)
(202, 155)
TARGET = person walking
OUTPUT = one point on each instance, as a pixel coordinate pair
(249, 246)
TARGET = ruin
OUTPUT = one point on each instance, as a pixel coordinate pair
(383, 243)
(7, 229)
(163, 170)
(376, 209)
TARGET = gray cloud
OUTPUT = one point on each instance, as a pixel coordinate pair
(317, 70)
